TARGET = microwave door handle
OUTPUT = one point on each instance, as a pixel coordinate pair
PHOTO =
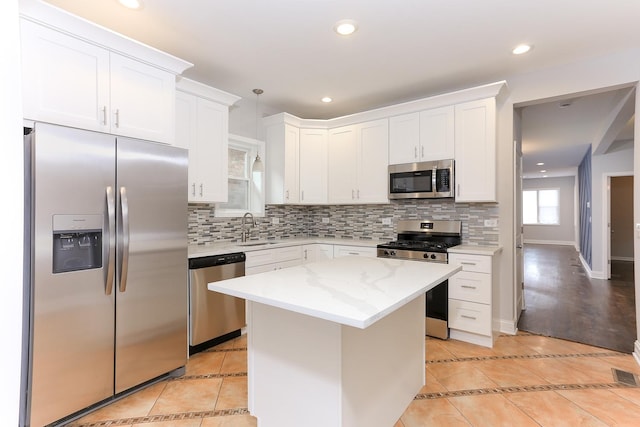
(434, 173)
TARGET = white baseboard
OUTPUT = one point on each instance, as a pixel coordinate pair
(508, 327)
(636, 351)
(590, 273)
(550, 242)
(622, 258)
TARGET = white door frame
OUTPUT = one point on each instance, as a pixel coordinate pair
(606, 221)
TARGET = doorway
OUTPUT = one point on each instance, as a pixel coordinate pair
(596, 291)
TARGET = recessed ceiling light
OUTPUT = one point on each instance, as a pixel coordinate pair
(345, 27)
(520, 49)
(326, 99)
(540, 164)
(131, 4)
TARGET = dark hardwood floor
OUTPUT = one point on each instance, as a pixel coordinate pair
(563, 302)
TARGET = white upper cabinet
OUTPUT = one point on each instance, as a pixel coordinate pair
(142, 100)
(437, 134)
(313, 166)
(358, 163)
(422, 136)
(373, 162)
(475, 151)
(343, 160)
(202, 127)
(77, 92)
(70, 81)
(282, 161)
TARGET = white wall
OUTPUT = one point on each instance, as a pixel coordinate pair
(11, 214)
(563, 233)
(617, 70)
(242, 117)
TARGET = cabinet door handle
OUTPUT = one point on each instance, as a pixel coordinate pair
(415, 152)
(302, 195)
(305, 254)
(469, 317)
(468, 287)
(117, 114)
(458, 190)
(193, 189)
(467, 263)
(353, 194)
(358, 194)
(104, 115)
(201, 190)
(354, 253)
(422, 151)
(287, 195)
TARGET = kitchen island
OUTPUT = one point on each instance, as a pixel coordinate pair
(337, 342)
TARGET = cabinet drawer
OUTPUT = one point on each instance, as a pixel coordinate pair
(339, 251)
(471, 286)
(470, 317)
(271, 266)
(272, 256)
(478, 263)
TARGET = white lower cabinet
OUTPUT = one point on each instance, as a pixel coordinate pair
(471, 298)
(272, 259)
(345, 250)
(316, 252)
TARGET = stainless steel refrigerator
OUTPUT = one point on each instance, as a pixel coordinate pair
(107, 269)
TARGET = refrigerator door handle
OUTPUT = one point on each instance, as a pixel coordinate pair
(111, 263)
(124, 267)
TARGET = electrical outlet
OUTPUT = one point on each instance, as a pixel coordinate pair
(490, 222)
(275, 220)
(325, 220)
(386, 221)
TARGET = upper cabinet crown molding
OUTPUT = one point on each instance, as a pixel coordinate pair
(50, 16)
(199, 89)
(490, 90)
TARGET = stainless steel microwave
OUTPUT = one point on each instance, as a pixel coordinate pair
(423, 180)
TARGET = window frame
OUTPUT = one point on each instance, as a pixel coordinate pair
(537, 191)
(256, 190)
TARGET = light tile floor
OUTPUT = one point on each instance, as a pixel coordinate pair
(525, 380)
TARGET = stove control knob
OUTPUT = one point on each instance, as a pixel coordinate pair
(425, 256)
(433, 256)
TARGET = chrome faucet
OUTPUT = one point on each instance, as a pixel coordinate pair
(245, 227)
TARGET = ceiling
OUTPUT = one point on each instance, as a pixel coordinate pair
(403, 50)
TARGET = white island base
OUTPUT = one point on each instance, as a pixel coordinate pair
(337, 343)
(313, 372)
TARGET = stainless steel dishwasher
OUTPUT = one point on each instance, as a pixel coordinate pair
(214, 317)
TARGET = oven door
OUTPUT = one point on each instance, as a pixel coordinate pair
(437, 311)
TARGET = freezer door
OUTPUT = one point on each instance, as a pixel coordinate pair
(72, 310)
(151, 273)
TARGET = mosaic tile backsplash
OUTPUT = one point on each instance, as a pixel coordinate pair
(344, 221)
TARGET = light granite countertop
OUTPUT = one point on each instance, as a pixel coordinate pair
(352, 290)
(220, 248)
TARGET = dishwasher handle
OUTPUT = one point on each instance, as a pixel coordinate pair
(215, 260)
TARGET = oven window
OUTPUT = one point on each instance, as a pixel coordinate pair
(411, 182)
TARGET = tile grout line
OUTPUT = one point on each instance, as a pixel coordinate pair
(167, 417)
(520, 389)
(525, 356)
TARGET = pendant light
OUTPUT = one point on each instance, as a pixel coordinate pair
(258, 166)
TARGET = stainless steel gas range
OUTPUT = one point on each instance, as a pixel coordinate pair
(427, 241)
